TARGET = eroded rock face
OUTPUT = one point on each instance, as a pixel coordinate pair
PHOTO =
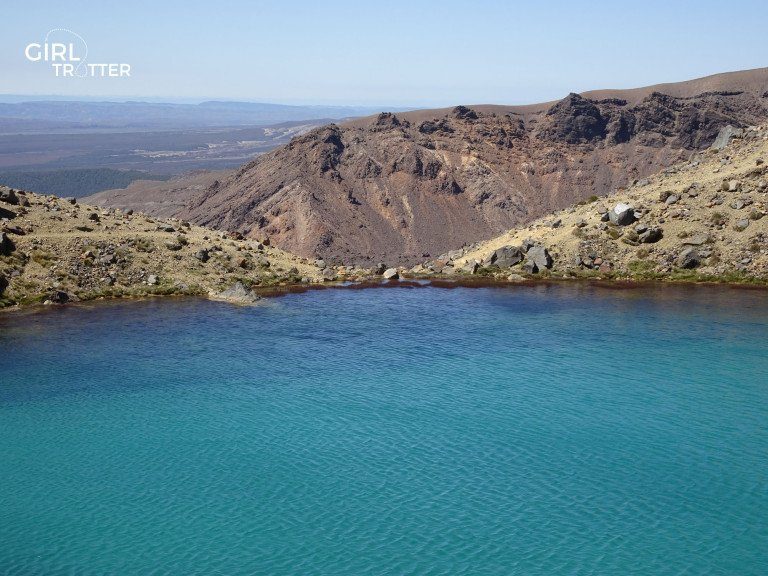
(725, 135)
(575, 120)
(395, 186)
(659, 119)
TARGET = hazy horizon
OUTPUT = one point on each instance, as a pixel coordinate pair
(406, 55)
(18, 98)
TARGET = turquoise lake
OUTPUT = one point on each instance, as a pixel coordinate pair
(566, 430)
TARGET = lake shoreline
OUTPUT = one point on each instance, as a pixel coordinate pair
(441, 282)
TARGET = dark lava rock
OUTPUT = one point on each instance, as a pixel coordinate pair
(6, 245)
(689, 258)
(651, 235)
(386, 120)
(17, 230)
(575, 120)
(464, 113)
(691, 123)
(432, 126)
(505, 257)
(59, 297)
(8, 195)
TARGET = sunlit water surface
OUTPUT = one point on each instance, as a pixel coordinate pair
(546, 430)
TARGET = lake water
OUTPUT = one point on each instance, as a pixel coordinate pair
(528, 430)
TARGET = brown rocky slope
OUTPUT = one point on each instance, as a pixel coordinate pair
(700, 220)
(57, 250)
(401, 188)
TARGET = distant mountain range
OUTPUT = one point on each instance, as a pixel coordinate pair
(44, 115)
(400, 187)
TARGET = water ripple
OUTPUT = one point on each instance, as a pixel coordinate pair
(433, 432)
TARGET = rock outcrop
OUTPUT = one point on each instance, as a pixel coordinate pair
(704, 219)
(399, 187)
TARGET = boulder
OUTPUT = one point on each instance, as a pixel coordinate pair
(71, 199)
(6, 245)
(238, 293)
(537, 259)
(651, 235)
(8, 195)
(3, 283)
(203, 255)
(689, 258)
(152, 280)
(622, 214)
(391, 274)
(59, 297)
(505, 257)
(471, 267)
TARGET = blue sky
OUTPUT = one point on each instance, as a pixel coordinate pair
(425, 53)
